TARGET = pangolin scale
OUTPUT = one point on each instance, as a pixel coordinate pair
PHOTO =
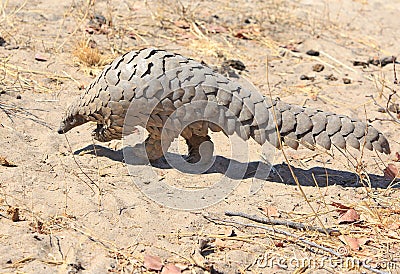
(150, 86)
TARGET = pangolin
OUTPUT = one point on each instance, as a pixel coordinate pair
(149, 86)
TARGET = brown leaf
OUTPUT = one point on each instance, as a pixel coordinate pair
(349, 216)
(342, 208)
(152, 262)
(278, 244)
(391, 172)
(171, 269)
(354, 243)
(397, 157)
(271, 211)
(5, 162)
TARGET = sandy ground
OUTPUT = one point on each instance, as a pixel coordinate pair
(67, 207)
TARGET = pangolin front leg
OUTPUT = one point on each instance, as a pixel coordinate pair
(200, 148)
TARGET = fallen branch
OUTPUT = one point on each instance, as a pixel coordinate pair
(298, 238)
(295, 225)
(279, 231)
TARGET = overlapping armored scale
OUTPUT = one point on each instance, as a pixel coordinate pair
(314, 127)
(159, 83)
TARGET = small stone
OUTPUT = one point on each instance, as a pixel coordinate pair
(312, 52)
(305, 77)
(236, 64)
(318, 67)
(2, 42)
(331, 77)
(100, 19)
(381, 110)
(360, 64)
(39, 57)
(249, 21)
(347, 81)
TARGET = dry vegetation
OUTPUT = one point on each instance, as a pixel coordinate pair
(51, 52)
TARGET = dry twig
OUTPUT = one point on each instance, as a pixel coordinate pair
(295, 225)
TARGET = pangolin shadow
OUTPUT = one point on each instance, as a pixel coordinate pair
(280, 173)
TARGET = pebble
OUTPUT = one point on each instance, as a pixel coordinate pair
(305, 77)
(40, 57)
(100, 19)
(360, 64)
(312, 52)
(2, 42)
(331, 77)
(347, 81)
(318, 67)
(236, 64)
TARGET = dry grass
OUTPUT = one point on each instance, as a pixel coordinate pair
(88, 54)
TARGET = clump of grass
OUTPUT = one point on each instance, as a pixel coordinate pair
(88, 54)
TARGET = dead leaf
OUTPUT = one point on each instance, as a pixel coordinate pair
(342, 208)
(391, 172)
(152, 262)
(5, 162)
(278, 244)
(397, 157)
(349, 216)
(171, 269)
(354, 243)
(271, 211)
